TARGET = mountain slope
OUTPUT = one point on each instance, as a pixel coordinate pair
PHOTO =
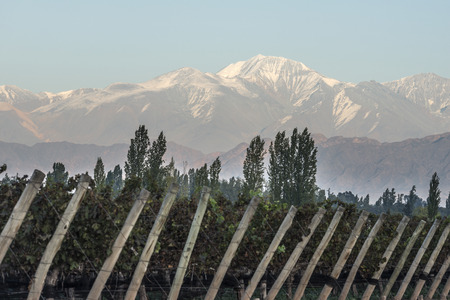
(215, 112)
(427, 90)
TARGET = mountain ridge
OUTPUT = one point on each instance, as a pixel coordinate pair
(214, 112)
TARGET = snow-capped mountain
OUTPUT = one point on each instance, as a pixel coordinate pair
(427, 90)
(215, 112)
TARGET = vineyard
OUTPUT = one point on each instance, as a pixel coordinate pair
(289, 251)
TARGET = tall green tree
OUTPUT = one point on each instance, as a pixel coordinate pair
(304, 156)
(411, 200)
(137, 156)
(278, 171)
(192, 181)
(155, 158)
(214, 172)
(387, 200)
(114, 180)
(293, 167)
(254, 166)
(231, 188)
(58, 175)
(99, 174)
(434, 197)
(201, 178)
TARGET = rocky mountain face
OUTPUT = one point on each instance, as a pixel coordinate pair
(215, 112)
(379, 125)
(361, 165)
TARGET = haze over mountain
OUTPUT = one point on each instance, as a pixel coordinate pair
(361, 165)
(215, 112)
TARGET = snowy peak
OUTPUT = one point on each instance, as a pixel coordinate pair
(261, 64)
(274, 69)
(20, 98)
(428, 90)
(291, 82)
(183, 77)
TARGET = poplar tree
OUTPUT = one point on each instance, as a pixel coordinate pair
(201, 178)
(411, 200)
(434, 197)
(304, 167)
(59, 174)
(254, 166)
(214, 172)
(155, 159)
(293, 167)
(278, 162)
(99, 174)
(114, 179)
(137, 156)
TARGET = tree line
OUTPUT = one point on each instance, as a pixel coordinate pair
(291, 176)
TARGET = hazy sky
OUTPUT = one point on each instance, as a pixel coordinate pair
(61, 45)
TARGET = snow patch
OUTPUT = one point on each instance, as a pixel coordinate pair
(374, 126)
(330, 81)
(285, 119)
(344, 110)
(145, 107)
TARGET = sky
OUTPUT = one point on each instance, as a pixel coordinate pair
(63, 45)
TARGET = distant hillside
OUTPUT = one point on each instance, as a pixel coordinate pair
(361, 165)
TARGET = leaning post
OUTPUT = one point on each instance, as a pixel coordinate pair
(351, 241)
(430, 263)
(118, 245)
(295, 255)
(386, 256)
(19, 212)
(318, 253)
(189, 246)
(261, 269)
(232, 248)
(437, 280)
(416, 261)
(401, 262)
(54, 245)
(362, 253)
(149, 247)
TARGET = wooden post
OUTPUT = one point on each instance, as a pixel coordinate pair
(386, 256)
(152, 239)
(417, 259)
(263, 289)
(232, 248)
(351, 241)
(118, 245)
(287, 222)
(189, 246)
(438, 278)
(362, 253)
(19, 212)
(318, 253)
(430, 262)
(446, 290)
(55, 243)
(295, 255)
(401, 262)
